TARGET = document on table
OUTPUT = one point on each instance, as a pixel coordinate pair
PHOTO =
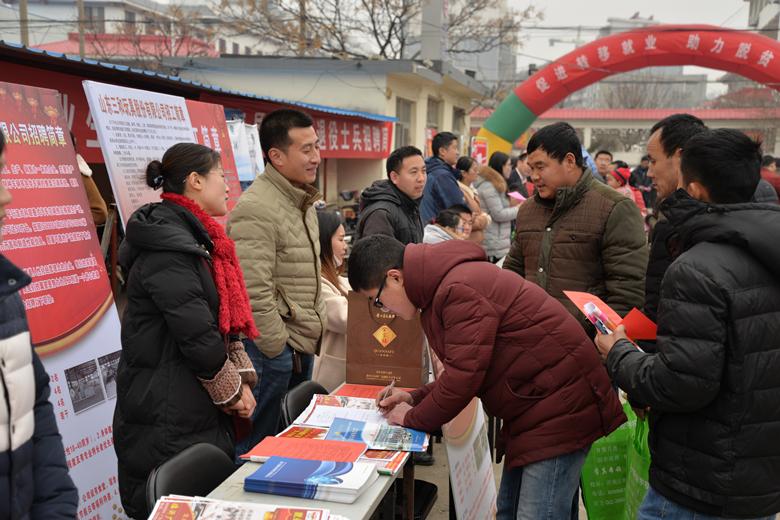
(198, 508)
(378, 436)
(324, 409)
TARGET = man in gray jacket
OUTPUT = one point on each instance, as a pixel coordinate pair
(275, 229)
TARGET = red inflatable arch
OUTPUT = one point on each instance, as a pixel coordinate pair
(748, 54)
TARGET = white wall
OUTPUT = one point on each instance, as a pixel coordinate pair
(418, 92)
(358, 174)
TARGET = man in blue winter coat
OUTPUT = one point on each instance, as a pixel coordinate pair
(34, 480)
(441, 189)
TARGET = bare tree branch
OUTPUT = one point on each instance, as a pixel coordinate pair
(173, 33)
(367, 28)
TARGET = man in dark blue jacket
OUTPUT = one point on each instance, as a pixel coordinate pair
(712, 387)
(34, 480)
(441, 189)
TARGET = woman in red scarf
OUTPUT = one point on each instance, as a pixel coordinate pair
(183, 375)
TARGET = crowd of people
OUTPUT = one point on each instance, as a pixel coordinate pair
(221, 323)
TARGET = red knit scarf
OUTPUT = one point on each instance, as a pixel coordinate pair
(235, 314)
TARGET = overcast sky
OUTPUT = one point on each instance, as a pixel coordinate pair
(594, 13)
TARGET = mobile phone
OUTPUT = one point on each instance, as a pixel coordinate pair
(597, 318)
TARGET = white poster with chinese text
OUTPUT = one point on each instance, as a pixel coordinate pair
(135, 127)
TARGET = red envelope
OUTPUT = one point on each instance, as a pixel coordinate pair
(638, 326)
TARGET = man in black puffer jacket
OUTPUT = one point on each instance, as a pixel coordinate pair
(392, 206)
(665, 146)
(713, 385)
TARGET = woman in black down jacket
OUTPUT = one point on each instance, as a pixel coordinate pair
(183, 375)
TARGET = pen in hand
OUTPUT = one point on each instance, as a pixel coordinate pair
(388, 391)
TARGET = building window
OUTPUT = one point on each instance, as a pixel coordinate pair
(95, 18)
(247, 50)
(458, 121)
(129, 21)
(222, 46)
(403, 127)
(433, 115)
(236, 48)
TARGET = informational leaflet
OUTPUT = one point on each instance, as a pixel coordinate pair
(314, 479)
(324, 409)
(378, 436)
(196, 508)
(48, 231)
(387, 462)
(303, 448)
(364, 391)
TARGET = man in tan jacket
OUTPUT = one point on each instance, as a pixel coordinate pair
(275, 229)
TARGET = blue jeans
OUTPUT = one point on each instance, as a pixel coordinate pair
(542, 490)
(275, 376)
(657, 506)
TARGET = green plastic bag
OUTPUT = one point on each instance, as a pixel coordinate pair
(604, 472)
(638, 468)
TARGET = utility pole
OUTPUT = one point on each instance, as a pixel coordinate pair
(24, 23)
(301, 27)
(82, 15)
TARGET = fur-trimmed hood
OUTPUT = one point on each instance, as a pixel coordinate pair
(486, 173)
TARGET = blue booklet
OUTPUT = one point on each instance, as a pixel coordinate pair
(378, 436)
(320, 480)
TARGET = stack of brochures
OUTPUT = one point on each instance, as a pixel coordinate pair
(319, 480)
(176, 507)
(303, 448)
(387, 462)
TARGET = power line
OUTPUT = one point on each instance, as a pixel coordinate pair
(236, 20)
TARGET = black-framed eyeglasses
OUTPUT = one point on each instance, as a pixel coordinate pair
(377, 302)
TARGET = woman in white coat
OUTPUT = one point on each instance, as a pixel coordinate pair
(330, 367)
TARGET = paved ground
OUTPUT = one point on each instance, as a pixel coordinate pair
(438, 474)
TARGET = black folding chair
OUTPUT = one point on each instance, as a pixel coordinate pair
(196, 471)
(296, 400)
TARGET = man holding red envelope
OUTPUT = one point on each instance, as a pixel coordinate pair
(713, 386)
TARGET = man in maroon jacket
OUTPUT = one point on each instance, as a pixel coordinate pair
(506, 341)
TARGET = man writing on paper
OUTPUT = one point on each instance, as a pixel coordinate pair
(713, 385)
(504, 340)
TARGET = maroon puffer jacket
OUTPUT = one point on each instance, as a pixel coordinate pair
(508, 342)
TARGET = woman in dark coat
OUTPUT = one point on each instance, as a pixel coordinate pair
(183, 374)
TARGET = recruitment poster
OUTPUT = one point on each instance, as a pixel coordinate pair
(210, 129)
(48, 232)
(135, 127)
